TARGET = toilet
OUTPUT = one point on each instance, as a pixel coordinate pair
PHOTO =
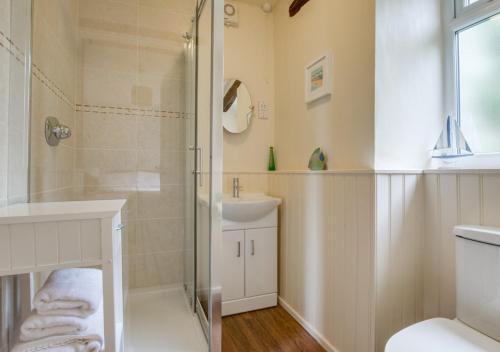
(477, 327)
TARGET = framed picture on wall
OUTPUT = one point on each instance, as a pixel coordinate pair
(318, 78)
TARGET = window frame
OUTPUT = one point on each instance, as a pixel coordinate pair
(463, 17)
(461, 9)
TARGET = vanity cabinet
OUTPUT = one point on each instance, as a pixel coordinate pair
(233, 278)
(250, 266)
(261, 261)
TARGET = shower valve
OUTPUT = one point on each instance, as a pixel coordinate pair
(54, 131)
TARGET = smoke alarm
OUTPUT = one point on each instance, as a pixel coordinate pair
(230, 14)
(267, 7)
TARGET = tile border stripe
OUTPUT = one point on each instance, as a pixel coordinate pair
(131, 111)
(9, 45)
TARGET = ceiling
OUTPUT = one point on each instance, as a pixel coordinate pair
(258, 2)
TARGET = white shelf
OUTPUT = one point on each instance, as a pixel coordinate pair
(38, 237)
(60, 211)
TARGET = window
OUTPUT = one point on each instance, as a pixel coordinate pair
(478, 49)
(477, 59)
(466, 5)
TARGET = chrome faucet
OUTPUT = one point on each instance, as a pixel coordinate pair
(236, 187)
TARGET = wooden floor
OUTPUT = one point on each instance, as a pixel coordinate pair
(266, 330)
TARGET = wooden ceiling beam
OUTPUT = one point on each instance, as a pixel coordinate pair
(296, 6)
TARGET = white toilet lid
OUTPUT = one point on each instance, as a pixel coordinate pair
(439, 335)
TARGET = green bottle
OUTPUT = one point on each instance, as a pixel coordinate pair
(272, 164)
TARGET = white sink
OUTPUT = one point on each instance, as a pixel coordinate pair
(248, 207)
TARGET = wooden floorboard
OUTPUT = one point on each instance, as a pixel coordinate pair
(269, 330)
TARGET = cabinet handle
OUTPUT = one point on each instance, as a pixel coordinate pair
(253, 247)
(239, 249)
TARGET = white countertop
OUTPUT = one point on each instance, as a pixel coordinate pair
(60, 211)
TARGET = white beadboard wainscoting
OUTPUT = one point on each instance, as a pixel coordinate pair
(399, 253)
(326, 255)
(366, 254)
(415, 245)
(463, 198)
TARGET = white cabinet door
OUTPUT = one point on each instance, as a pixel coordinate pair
(233, 265)
(261, 262)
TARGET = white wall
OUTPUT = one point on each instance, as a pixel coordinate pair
(249, 57)
(395, 46)
(409, 97)
(343, 123)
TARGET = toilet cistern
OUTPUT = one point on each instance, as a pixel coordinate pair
(236, 187)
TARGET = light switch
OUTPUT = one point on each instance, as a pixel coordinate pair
(262, 110)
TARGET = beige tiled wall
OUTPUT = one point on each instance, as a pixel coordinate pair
(4, 103)
(13, 119)
(54, 93)
(14, 27)
(113, 71)
(4, 95)
(130, 129)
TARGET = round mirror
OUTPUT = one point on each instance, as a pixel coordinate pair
(238, 107)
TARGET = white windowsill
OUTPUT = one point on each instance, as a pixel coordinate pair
(489, 161)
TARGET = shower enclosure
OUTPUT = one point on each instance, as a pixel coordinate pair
(139, 83)
(15, 51)
(190, 163)
(204, 61)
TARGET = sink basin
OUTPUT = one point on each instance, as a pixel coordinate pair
(248, 207)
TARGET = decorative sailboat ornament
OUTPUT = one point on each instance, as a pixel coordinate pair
(451, 142)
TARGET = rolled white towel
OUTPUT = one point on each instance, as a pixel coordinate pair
(71, 292)
(91, 340)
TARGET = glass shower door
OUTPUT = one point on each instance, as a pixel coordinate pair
(190, 166)
(208, 156)
(204, 62)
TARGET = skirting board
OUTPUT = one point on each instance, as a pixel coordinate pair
(309, 328)
(249, 304)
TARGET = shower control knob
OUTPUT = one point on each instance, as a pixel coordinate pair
(62, 132)
(54, 131)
